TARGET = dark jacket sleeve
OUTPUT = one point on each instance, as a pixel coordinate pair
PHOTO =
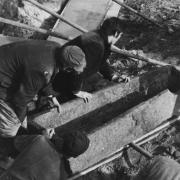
(67, 82)
(31, 83)
(105, 69)
(48, 90)
(77, 83)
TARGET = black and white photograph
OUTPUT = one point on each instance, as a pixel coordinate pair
(89, 89)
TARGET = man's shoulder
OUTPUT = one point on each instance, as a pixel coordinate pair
(91, 36)
(93, 39)
(52, 43)
(30, 45)
(37, 43)
(43, 43)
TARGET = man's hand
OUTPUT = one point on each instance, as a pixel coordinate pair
(125, 78)
(48, 133)
(117, 37)
(35, 98)
(55, 103)
(122, 78)
(84, 95)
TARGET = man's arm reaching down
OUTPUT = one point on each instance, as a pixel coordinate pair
(56, 103)
(31, 83)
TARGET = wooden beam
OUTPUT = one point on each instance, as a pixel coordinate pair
(140, 150)
(40, 30)
(57, 15)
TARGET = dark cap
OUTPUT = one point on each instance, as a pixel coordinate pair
(73, 56)
(75, 143)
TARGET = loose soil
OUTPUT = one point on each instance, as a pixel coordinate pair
(141, 37)
(27, 13)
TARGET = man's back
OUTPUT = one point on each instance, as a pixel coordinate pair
(38, 161)
(19, 57)
(26, 67)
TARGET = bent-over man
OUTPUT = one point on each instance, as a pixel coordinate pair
(96, 46)
(27, 68)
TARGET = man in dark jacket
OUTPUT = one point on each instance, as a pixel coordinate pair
(27, 68)
(96, 46)
(46, 159)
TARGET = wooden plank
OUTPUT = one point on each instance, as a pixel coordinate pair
(86, 13)
(102, 117)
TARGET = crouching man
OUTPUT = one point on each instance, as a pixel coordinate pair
(42, 158)
(26, 69)
(96, 46)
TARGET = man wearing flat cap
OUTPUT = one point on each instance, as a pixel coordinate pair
(26, 69)
(96, 46)
(42, 158)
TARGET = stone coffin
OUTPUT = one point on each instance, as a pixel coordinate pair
(116, 114)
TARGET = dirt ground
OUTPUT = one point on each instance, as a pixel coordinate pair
(27, 13)
(141, 37)
(148, 40)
